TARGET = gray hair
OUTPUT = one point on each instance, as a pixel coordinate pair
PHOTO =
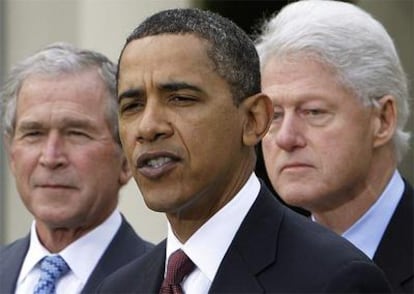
(59, 58)
(351, 42)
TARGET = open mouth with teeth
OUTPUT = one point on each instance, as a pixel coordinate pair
(158, 162)
(156, 166)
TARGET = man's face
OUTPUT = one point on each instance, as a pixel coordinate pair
(67, 166)
(319, 147)
(180, 130)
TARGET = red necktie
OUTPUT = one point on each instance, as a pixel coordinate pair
(179, 266)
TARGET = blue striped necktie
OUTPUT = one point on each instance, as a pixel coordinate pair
(53, 267)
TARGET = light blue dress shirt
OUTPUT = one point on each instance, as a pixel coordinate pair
(366, 233)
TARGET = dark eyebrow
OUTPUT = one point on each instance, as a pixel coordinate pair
(168, 87)
(29, 125)
(176, 86)
(131, 93)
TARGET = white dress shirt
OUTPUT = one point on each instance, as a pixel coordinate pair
(367, 232)
(82, 256)
(208, 245)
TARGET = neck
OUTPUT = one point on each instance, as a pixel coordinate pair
(342, 217)
(189, 219)
(56, 240)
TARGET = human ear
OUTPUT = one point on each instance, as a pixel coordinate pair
(125, 173)
(386, 120)
(259, 111)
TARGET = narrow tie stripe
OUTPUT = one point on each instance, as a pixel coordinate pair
(52, 268)
(179, 265)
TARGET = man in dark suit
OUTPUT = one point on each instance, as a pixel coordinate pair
(395, 251)
(60, 119)
(190, 114)
(340, 99)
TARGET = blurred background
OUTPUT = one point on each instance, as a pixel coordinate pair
(102, 25)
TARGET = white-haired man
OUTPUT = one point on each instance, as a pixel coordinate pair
(340, 104)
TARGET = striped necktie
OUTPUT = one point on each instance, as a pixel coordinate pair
(179, 265)
(53, 267)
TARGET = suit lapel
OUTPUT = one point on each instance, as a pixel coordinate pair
(11, 260)
(125, 246)
(253, 249)
(152, 266)
(395, 253)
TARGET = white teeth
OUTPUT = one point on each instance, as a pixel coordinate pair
(158, 162)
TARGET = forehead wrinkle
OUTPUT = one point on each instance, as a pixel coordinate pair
(59, 123)
(72, 122)
(29, 125)
(131, 93)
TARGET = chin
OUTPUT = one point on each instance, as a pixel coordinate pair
(295, 197)
(157, 205)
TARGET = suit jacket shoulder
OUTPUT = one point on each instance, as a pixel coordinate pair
(125, 246)
(143, 275)
(395, 253)
(274, 251)
(11, 260)
(279, 251)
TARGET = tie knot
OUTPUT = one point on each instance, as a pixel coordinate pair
(54, 265)
(52, 268)
(179, 265)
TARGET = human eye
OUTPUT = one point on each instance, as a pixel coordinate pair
(316, 116)
(30, 135)
(182, 99)
(130, 105)
(77, 133)
(314, 112)
(277, 115)
(277, 119)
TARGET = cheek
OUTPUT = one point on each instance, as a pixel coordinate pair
(22, 161)
(342, 157)
(205, 136)
(126, 133)
(211, 146)
(270, 151)
(267, 144)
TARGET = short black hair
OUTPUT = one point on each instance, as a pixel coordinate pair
(231, 50)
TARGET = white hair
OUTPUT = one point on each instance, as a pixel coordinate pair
(351, 42)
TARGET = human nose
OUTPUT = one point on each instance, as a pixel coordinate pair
(153, 124)
(290, 134)
(53, 155)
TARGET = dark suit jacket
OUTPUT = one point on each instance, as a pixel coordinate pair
(395, 253)
(125, 246)
(274, 251)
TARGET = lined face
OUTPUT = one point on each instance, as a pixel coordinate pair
(319, 147)
(67, 166)
(181, 132)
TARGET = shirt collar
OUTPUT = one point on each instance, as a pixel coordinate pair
(34, 255)
(218, 232)
(366, 233)
(82, 255)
